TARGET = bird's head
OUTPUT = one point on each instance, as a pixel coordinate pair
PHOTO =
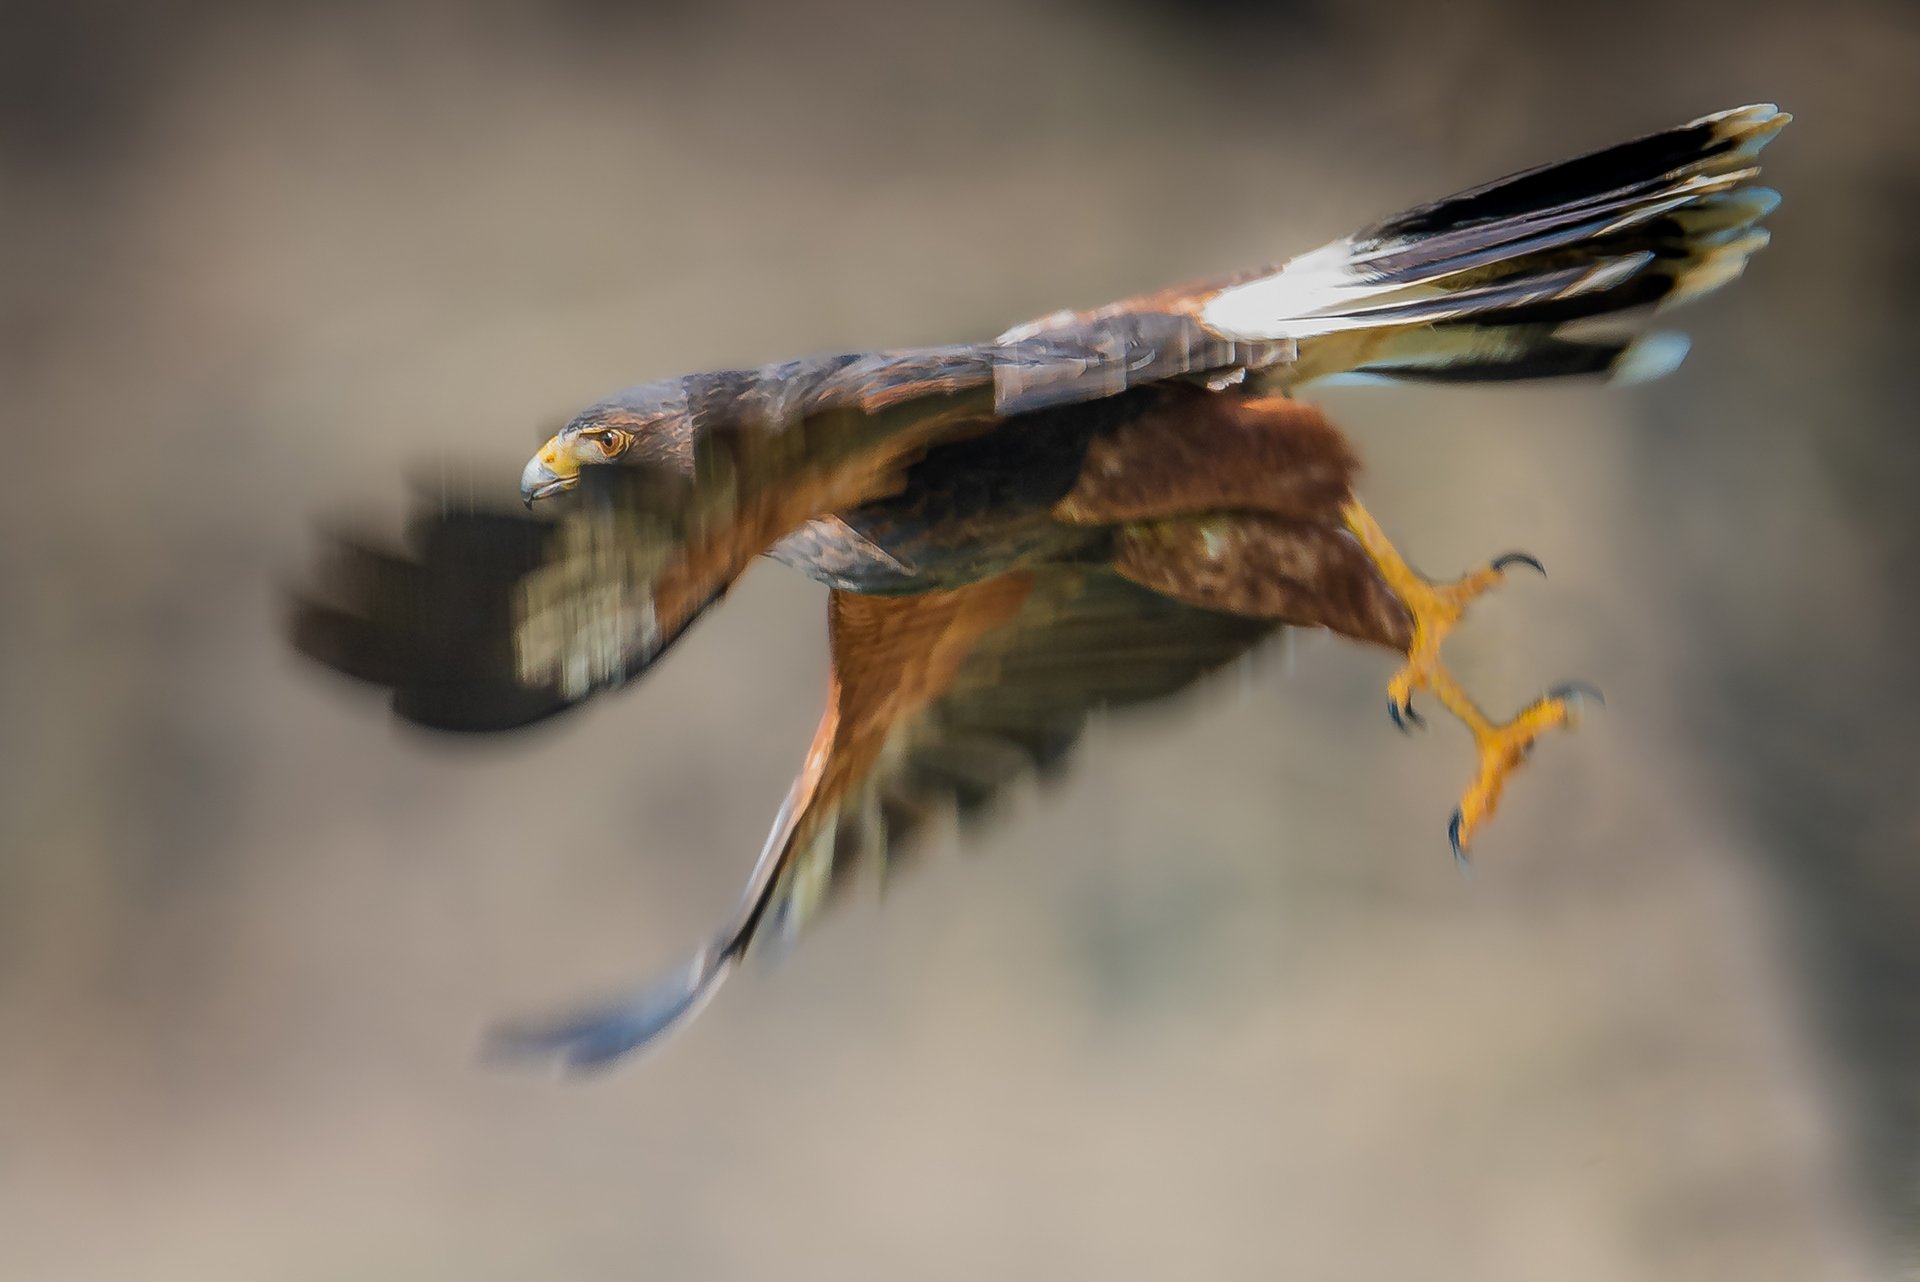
(594, 437)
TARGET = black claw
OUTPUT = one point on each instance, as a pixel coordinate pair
(1453, 839)
(1520, 558)
(1404, 718)
(1568, 689)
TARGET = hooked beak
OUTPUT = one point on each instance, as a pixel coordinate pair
(542, 477)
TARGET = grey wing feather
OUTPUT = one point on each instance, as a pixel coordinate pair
(599, 1035)
(1086, 359)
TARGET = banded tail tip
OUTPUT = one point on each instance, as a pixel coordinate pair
(1652, 355)
(1754, 125)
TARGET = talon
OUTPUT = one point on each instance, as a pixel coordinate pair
(1569, 690)
(1520, 558)
(1435, 609)
(1405, 719)
(1505, 748)
(1459, 851)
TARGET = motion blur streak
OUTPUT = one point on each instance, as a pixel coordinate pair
(1218, 1009)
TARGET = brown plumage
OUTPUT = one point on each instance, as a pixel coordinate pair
(1267, 567)
(1094, 509)
(1197, 451)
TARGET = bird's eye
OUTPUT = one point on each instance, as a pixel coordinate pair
(610, 442)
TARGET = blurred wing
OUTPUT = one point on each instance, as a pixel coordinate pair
(434, 621)
(634, 561)
(1081, 640)
(490, 619)
(940, 701)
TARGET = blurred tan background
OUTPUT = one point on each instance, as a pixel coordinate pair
(1217, 1007)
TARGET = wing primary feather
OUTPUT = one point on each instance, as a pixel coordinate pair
(597, 1035)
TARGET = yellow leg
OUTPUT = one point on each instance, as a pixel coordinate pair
(1437, 609)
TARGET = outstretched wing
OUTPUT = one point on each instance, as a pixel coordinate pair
(1081, 640)
(939, 702)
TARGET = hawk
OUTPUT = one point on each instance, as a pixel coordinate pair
(1094, 509)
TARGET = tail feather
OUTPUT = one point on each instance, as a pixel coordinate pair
(1501, 354)
(1723, 143)
(1525, 354)
(1651, 223)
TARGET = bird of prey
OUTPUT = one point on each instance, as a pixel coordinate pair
(1093, 509)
